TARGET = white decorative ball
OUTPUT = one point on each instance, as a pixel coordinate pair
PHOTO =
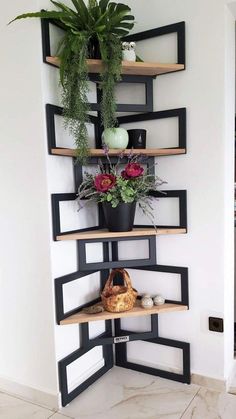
(146, 301)
(159, 300)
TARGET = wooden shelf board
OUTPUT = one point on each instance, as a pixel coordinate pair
(105, 234)
(135, 312)
(129, 67)
(98, 152)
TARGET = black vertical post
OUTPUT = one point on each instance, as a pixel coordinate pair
(99, 126)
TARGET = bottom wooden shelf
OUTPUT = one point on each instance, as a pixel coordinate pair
(135, 312)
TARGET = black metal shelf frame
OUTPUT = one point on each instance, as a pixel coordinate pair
(178, 28)
(120, 340)
(180, 113)
(104, 273)
(165, 194)
(121, 337)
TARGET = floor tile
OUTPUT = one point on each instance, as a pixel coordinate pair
(13, 408)
(59, 416)
(126, 394)
(210, 404)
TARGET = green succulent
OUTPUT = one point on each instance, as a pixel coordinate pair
(107, 22)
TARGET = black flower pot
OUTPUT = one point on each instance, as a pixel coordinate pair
(94, 49)
(137, 138)
(120, 218)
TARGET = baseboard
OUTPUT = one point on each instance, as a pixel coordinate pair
(33, 395)
(88, 373)
(213, 383)
(201, 380)
(231, 382)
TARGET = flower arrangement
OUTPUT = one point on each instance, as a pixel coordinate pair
(117, 185)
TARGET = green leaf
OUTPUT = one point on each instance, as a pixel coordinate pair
(92, 4)
(103, 5)
(138, 59)
(126, 25)
(83, 11)
(120, 32)
(69, 23)
(102, 19)
(117, 18)
(100, 28)
(64, 8)
(75, 3)
(129, 17)
(111, 8)
(43, 15)
(122, 7)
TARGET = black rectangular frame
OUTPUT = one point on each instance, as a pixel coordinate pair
(178, 28)
(67, 396)
(180, 113)
(121, 360)
(146, 80)
(111, 264)
(58, 285)
(57, 198)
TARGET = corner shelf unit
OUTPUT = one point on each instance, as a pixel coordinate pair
(115, 335)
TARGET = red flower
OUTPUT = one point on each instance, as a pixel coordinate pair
(104, 182)
(132, 170)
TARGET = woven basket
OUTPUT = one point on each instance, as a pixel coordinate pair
(118, 298)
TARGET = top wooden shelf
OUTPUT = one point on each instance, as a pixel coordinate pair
(99, 152)
(129, 67)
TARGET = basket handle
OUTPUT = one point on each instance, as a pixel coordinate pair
(125, 275)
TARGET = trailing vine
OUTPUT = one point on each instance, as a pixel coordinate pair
(74, 80)
(111, 52)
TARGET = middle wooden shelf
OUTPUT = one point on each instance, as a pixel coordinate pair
(105, 234)
(99, 152)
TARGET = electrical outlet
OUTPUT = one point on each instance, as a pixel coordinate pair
(216, 324)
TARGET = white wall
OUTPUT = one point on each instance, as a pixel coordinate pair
(206, 172)
(27, 350)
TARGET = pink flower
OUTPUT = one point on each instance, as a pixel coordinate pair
(132, 170)
(104, 182)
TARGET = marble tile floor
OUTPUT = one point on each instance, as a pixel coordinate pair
(125, 394)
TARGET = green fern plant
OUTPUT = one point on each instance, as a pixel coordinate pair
(101, 21)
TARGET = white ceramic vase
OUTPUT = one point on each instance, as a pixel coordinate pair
(115, 137)
(128, 55)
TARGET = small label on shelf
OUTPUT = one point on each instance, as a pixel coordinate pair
(121, 339)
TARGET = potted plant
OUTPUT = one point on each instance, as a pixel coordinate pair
(119, 190)
(91, 31)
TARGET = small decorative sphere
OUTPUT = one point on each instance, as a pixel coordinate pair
(159, 300)
(115, 137)
(146, 301)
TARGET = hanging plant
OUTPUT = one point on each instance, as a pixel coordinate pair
(101, 23)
